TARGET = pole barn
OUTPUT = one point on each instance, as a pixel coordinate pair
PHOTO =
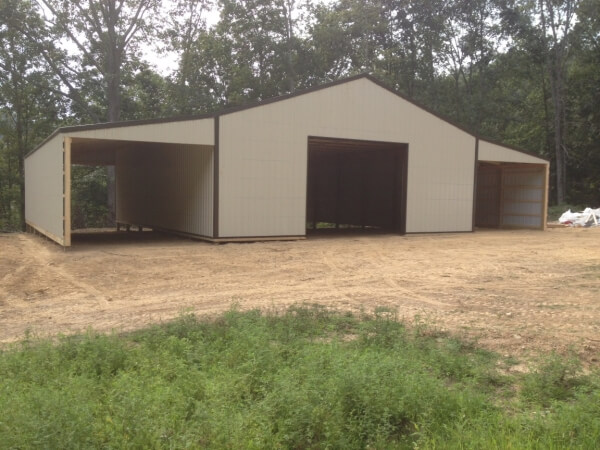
(351, 153)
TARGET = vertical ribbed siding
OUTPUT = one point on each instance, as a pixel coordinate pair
(166, 186)
(523, 197)
(44, 189)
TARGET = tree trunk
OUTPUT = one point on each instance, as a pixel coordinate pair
(20, 154)
(22, 187)
(559, 138)
(291, 75)
(114, 109)
(113, 97)
(556, 57)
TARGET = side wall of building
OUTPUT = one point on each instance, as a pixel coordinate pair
(44, 189)
(263, 159)
(167, 186)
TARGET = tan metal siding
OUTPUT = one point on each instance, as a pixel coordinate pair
(523, 196)
(497, 153)
(199, 132)
(263, 157)
(166, 186)
(44, 189)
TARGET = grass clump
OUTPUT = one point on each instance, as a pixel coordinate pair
(307, 378)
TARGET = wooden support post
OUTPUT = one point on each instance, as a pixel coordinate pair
(545, 206)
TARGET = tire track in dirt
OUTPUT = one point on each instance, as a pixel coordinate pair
(517, 292)
(43, 257)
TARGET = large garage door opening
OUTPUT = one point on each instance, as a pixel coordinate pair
(356, 185)
(511, 195)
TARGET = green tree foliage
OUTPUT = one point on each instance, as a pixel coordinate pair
(89, 209)
(29, 106)
(194, 86)
(106, 35)
(583, 113)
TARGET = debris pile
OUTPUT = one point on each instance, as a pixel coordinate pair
(587, 218)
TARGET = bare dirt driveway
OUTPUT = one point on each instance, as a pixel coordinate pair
(517, 292)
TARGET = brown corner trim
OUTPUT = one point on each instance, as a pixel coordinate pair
(216, 180)
(475, 170)
(404, 193)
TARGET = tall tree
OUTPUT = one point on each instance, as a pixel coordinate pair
(104, 35)
(557, 18)
(472, 38)
(349, 36)
(400, 41)
(193, 82)
(259, 48)
(28, 104)
(583, 185)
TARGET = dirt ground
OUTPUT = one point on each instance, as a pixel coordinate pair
(516, 292)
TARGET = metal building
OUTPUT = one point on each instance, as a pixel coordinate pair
(351, 152)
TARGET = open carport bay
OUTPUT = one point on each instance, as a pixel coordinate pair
(518, 292)
(158, 185)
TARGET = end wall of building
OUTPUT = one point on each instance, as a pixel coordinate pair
(45, 190)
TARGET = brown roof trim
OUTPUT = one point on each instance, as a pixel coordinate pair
(258, 103)
(475, 174)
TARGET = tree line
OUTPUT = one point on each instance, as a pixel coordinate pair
(525, 72)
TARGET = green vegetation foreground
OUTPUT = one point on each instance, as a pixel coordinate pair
(308, 378)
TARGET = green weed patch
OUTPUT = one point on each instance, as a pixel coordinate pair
(307, 378)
